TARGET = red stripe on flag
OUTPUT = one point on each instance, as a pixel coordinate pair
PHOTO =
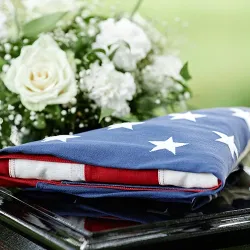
(120, 176)
(15, 182)
(4, 167)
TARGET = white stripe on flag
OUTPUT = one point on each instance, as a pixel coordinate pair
(186, 179)
(42, 170)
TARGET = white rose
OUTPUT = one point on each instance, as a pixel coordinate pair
(41, 75)
(109, 88)
(112, 32)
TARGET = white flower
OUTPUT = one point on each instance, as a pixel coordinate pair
(112, 32)
(37, 8)
(109, 88)
(124, 59)
(162, 73)
(41, 75)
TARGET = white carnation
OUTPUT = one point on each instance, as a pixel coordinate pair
(162, 73)
(109, 88)
(124, 59)
(113, 32)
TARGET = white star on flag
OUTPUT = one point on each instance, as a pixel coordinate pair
(127, 125)
(62, 138)
(243, 115)
(229, 141)
(186, 116)
(169, 145)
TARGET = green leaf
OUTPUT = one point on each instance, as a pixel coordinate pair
(99, 50)
(185, 73)
(119, 44)
(2, 62)
(105, 112)
(92, 56)
(43, 24)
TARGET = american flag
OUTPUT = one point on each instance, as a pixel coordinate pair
(176, 157)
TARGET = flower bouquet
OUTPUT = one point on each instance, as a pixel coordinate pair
(65, 72)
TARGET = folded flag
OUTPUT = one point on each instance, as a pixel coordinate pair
(179, 156)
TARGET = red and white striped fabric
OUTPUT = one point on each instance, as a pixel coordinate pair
(20, 167)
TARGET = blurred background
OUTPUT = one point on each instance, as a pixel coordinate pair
(217, 45)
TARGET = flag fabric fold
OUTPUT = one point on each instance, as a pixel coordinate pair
(179, 156)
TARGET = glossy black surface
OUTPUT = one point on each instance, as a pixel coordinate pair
(60, 221)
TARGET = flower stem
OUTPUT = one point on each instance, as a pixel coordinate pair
(136, 8)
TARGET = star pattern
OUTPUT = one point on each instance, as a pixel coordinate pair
(243, 115)
(186, 116)
(169, 145)
(127, 125)
(62, 138)
(229, 141)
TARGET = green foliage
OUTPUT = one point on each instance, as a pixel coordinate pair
(185, 72)
(92, 56)
(2, 62)
(43, 24)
